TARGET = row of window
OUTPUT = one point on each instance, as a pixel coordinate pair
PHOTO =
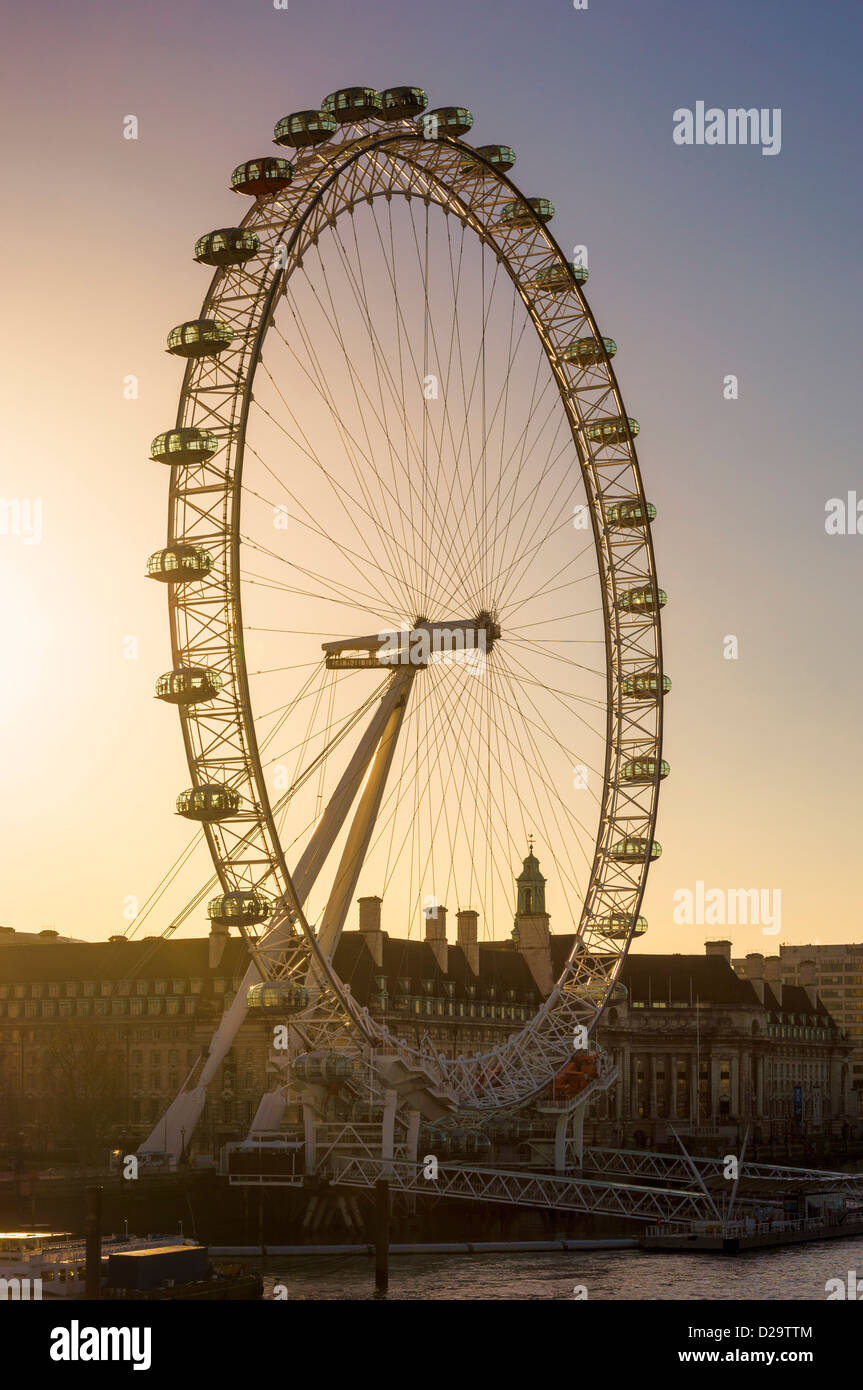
(108, 989)
(446, 1008)
(98, 1008)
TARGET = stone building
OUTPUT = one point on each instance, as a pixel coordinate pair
(98, 1037)
(837, 973)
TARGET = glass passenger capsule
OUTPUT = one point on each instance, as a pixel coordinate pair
(260, 177)
(404, 103)
(445, 120)
(188, 685)
(227, 246)
(200, 338)
(322, 1067)
(354, 104)
(645, 685)
(184, 446)
(303, 129)
(499, 156)
(590, 992)
(641, 600)
(240, 908)
(616, 926)
(278, 997)
(644, 770)
(211, 802)
(179, 564)
(523, 212)
(587, 352)
(555, 278)
(631, 513)
(634, 850)
(615, 430)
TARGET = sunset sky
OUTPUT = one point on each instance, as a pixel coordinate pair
(704, 262)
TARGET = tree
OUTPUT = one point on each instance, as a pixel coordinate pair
(83, 1086)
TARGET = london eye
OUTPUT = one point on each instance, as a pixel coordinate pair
(413, 604)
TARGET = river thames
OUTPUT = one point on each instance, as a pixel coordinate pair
(798, 1272)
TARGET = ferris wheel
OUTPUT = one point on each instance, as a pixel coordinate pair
(414, 612)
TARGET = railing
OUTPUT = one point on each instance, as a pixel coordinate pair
(730, 1230)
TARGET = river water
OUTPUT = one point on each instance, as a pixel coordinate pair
(791, 1272)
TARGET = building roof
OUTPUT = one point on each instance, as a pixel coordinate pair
(502, 967)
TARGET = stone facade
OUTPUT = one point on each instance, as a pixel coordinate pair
(121, 1023)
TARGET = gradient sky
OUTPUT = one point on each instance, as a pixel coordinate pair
(704, 262)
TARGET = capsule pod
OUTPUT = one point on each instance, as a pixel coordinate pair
(404, 103)
(645, 685)
(645, 599)
(227, 246)
(322, 1068)
(634, 850)
(211, 802)
(188, 685)
(631, 513)
(303, 129)
(618, 925)
(179, 564)
(587, 352)
(616, 429)
(260, 177)
(644, 770)
(200, 338)
(523, 212)
(445, 120)
(589, 991)
(278, 997)
(240, 908)
(499, 156)
(354, 104)
(560, 276)
(184, 446)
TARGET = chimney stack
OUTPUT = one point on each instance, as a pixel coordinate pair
(467, 928)
(807, 978)
(773, 976)
(435, 935)
(755, 972)
(718, 948)
(218, 940)
(370, 927)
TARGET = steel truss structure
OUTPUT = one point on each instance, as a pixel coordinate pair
(515, 1188)
(678, 1168)
(366, 161)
